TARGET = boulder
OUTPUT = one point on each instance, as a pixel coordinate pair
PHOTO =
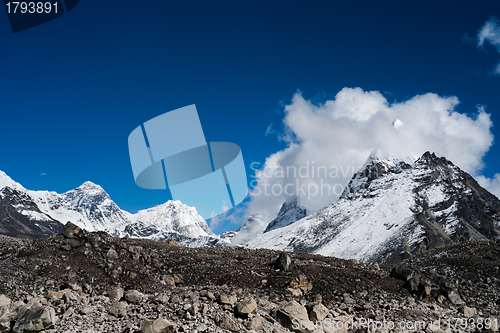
(246, 306)
(34, 318)
(116, 294)
(118, 309)
(4, 300)
(469, 312)
(454, 297)
(318, 312)
(7, 315)
(225, 321)
(256, 323)
(157, 326)
(71, 230)
(293, 316)
(493, 324)
(284, 262)
(134, 296)
(112, 255)
(300, 286)
(225, 299)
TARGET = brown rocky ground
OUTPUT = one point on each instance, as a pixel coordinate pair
(92, 282)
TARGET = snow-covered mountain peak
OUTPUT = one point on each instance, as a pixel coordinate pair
(169, 218)
(290, 212)
(389, 157)
(377, 165)
(430, 160)
(90, 189)
(6, 181)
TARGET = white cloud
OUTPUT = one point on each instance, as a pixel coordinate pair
(334, 138)
(490, 33)
(491, 184)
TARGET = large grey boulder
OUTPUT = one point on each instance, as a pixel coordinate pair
(318, 312)
(6, 317)
(116, 294)
(33, 317)
(4, 300)
(118, 309)
(293, 316)
(157, 326)
(246, 306)
(134, 296)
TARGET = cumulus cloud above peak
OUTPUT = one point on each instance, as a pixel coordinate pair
(490, 33)
(328, 142)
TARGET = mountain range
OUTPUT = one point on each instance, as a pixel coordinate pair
(34, 214)
(392, 208)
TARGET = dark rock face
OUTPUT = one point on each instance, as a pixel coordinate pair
(284, 262)
(30, 225)
(475, 210)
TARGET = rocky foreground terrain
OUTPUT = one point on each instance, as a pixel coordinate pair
(91, 282)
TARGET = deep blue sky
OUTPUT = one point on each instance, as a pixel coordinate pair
(73, 89)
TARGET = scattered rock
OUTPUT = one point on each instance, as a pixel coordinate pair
(116, 294)
(226, 322)
(284, 262)
(318, 312)
(118, 309)
(231, 289)
(292, 315)
(134, 296)
(157, 326)
(34, 318)
(246, 306)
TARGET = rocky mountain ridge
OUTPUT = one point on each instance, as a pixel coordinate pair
(393, 209)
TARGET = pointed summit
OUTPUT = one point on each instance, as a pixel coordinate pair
(90, 188)
(290, 212)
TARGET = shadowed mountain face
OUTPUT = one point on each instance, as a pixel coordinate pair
(20, 216)
(290, 212)
(394, 209)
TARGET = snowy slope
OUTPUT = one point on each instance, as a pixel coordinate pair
(6, 181)
(172, 217)
(393, 208)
